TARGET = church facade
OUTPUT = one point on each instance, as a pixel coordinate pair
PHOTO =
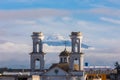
(70, 66)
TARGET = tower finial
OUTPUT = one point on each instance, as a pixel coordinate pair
(65, 43)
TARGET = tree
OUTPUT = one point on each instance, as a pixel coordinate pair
(117, 67)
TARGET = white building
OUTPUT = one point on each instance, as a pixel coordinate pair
(66, 69)
(70, 66)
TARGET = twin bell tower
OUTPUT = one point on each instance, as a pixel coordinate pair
(37, 54)
(75, 57)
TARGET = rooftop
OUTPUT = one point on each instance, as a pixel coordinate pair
(76, 33)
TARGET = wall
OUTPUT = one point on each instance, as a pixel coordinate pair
(7, 78)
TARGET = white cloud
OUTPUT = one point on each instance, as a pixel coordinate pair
(104, 11)
(13, 47)
(31, 13)
(66, 19)
(101, 58)
(83, 23)
(14, 54)
(53, 49)
(114, 21)
(114, 1)
(49, 12)
(63, 25)
(18, 1)
(25, 22)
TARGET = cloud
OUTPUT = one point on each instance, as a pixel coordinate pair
(14, 55)
(18, 1)
(92, 34)
(114, 21)
(102, 59)
(53, 49)
(25, 22)
(50, 12)
(13, 47)
(20, 53)
(31, 13)
(114, 1)
(13, 51)
(104, 11)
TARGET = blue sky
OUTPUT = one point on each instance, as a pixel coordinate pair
(99, 21)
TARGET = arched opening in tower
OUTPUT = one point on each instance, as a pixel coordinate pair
(77, 43)
(75, 47)
(37, 64)
(76, 64)
(37, 47)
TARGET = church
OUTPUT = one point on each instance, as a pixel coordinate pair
(70, 66)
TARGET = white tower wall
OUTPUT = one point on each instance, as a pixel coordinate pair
(76, 50)
(37, 54)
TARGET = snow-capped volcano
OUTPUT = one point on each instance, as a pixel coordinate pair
(58, 40)
(54, 37)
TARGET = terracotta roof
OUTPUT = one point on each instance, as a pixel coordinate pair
(64, 53)
(64, 66)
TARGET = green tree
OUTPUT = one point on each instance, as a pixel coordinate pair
(117, 67)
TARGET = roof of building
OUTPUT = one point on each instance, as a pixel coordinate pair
(38, 53)
(37, 33)
(64, 53)
(64, 66)
(76, 33)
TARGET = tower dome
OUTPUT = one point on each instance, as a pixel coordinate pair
(64, 56)
(64, 53)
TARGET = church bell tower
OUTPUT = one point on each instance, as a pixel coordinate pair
(37, 54)
(76, 56)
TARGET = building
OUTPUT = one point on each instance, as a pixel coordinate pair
(66, 69)
(98, 72)
(69, 67)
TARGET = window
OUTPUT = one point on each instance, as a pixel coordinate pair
(65, 60)
(60, 59)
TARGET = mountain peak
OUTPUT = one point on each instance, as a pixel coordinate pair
(54, 37)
